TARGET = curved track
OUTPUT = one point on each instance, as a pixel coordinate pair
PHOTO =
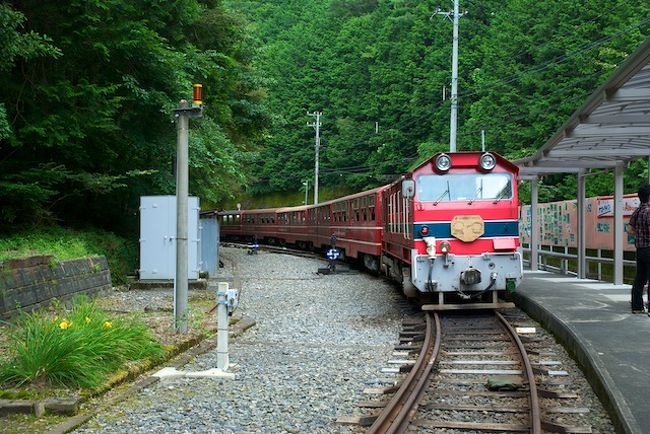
(401, 409)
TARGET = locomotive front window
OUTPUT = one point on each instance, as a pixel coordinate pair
(464, 187)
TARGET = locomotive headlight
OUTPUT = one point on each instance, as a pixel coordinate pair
(445, 247)
(487, 161)
(424, 231)
(443, 162)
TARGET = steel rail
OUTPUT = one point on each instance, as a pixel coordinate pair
(535, 415)
(395, 417)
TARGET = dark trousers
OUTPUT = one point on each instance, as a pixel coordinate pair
(642, 274)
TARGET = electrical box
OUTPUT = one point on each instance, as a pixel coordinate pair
(158, 238)
(209, 228)
(232, 300)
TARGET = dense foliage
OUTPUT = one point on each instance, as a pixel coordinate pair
(65, 244)
(88, 88)
(377, 69)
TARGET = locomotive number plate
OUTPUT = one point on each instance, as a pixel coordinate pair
(467, 228)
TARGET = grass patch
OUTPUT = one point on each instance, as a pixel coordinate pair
(76, 347)
(65, 244)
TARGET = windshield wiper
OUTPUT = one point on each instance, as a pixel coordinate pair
(478, 192)
(504, 191)
(437, 201)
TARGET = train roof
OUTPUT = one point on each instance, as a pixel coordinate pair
(260, 211)
(353, 196)
(294, 208)
(500, 160)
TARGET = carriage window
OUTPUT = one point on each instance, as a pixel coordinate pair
(463, 186)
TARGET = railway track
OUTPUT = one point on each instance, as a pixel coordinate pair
(478, 372)
(475, 373)
(276, 249)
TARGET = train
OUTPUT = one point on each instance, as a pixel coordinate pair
(448, 229)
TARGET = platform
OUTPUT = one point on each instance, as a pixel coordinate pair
(593, 320)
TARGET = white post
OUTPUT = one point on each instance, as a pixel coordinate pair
(222, 327)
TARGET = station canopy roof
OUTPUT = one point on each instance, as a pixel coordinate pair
(611, 128)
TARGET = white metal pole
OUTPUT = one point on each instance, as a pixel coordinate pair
(222, 327)
(182, 180)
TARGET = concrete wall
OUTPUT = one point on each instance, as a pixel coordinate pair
(33, 282)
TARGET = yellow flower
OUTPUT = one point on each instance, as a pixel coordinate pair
(87, 320)
(108, 325)
(65, 324)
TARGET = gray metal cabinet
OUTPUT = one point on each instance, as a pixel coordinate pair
(158, 237)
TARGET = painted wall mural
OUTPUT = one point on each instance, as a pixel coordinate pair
(559, 222)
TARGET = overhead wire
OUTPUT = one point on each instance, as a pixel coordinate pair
(506, 80)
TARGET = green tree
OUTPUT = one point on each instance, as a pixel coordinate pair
(90, 118)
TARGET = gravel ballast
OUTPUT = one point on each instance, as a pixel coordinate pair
(318, 342)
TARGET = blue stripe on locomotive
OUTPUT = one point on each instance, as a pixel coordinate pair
(492, 229)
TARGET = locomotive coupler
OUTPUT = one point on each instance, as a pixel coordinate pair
(431, 284)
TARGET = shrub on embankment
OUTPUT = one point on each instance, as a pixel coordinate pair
(76, 347)
(65, 244)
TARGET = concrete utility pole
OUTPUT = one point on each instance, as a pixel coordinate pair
(454, 16)
(316, 126)
(306, 184)
(183, 114)
(483, 140)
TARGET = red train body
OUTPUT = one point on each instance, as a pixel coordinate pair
(450, 227)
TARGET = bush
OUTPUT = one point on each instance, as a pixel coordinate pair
(78, 347)
(66, 244)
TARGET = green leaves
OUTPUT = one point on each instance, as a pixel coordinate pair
(97, 110)
(523, 71)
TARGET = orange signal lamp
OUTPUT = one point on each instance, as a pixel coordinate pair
(197, 94)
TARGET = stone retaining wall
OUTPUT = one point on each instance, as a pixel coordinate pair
(34, 282)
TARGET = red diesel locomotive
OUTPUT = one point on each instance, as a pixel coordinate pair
(449, 227)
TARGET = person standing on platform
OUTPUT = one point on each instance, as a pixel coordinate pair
(639, 226)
